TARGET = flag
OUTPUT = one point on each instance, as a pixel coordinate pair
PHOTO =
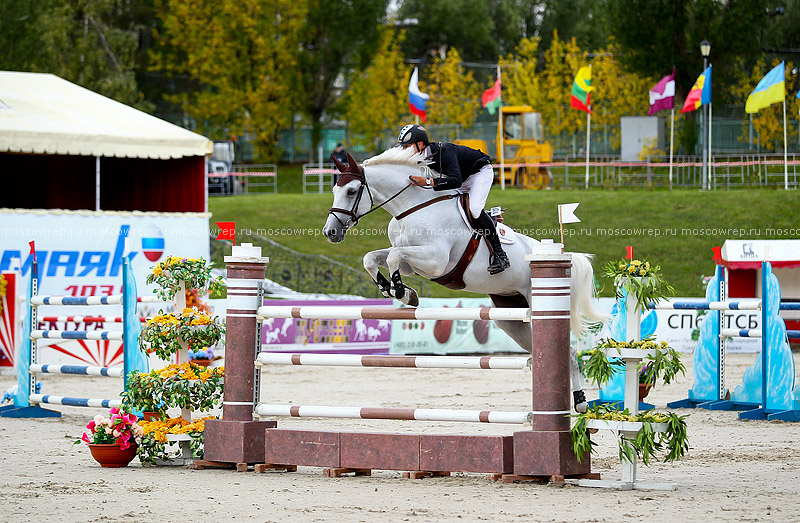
(717, 255)
(662, 96)
(700, 93)
(33, 253)
(491, 98)
(416, 98)
(629, 252)
(581, 88)
(768, 91)
(566, 213)
(227, 231)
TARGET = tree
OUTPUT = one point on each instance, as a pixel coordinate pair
(336, 37)
(520, 79)
(454, 92)
(92, 43)
(562, 61)
(377, 99)
(241, 56)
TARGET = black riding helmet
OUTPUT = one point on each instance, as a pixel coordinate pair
(412, 133)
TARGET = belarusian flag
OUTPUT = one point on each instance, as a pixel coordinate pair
(581, 89)
(491, 98)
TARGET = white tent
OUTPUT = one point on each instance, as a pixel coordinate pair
(45, 114)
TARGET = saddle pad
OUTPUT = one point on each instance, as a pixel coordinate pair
(504, 232)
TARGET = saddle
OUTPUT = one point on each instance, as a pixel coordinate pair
(454, 279)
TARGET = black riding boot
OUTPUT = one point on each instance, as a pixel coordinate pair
(498, 261)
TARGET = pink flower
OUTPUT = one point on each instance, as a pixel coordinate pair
(114, 410)
(90, 426)
(85, 438)
(124, 445)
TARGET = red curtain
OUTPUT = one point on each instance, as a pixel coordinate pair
(31, 181)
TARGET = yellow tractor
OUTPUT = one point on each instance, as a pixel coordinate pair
(524, 148)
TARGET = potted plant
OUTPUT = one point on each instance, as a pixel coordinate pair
(187, 386)
(144, 392)
(114, 440)
(153, 448)
(659, 360)
(195, 272)
(163, 333)
(644, 435)
(640, 279)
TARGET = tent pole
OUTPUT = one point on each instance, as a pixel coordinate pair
(96, 183)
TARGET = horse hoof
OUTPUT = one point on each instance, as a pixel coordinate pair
(412, 300)
(580, 401)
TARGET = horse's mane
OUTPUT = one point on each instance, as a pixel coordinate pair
(404, 157)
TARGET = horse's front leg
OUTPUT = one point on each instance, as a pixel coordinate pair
(416, 258)
(373, 261)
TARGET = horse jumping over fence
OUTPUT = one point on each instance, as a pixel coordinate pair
(429, 238)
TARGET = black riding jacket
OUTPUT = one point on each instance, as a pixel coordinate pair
(455, 163)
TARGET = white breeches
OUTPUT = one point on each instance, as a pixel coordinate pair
(478, 186)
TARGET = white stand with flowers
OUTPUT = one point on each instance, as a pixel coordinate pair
(182, 356)
(628, 429)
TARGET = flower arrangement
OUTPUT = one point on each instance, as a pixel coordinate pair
(120, 428)
(195, 272)
(154, 441)
(162, 333)
(640, 279)
(647, 442)
(193, 301)
(184, 385)
(663, 361)
(207, 354)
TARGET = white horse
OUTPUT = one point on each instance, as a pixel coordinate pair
(429, 239)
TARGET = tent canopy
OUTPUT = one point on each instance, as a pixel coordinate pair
(44, 114)
(748, 254)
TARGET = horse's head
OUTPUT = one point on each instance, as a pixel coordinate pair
(348, 204)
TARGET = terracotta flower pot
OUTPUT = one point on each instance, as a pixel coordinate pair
(109, 455)
(644, 390)
(149, 415)
(201, 362)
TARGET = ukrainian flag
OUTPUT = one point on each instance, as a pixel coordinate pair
(768, 91)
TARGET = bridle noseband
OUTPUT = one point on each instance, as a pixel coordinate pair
(343, 180)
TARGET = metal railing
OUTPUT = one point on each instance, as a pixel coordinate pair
(318, 177)
(244, 179)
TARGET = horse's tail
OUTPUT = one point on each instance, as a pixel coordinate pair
(584, 314)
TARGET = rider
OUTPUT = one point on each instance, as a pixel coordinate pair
(465, 169)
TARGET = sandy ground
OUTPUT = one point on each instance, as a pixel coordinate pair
(735, 471)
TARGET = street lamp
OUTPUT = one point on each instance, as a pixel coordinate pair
(705, 50)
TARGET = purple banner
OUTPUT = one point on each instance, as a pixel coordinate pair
(327, 336)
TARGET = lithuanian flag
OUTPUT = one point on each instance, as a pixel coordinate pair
(769, 90)
(581, 88)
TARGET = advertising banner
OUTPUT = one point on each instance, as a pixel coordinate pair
(79, 253)
(326, 336)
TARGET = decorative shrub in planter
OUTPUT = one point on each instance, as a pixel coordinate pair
(662, 361)
(643, 435)
(163, 333)
(640, 279)
(187, 386)
(195, 272)
(153, 448)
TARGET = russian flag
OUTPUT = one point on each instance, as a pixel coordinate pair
(416, 98)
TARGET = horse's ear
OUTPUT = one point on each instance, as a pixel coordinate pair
(354, 167)
(339, 165)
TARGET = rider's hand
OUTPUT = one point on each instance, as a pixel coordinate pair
(421, 181)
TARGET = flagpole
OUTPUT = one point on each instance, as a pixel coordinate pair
(588, 136)
(671, 131)
(709, 147)
(501, 133)
(785, 155)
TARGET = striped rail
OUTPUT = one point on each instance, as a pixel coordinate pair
(76, 335)
(74, 402)
(415, 362)
(740, 333)
(76, 300)
(86, 319)
(316, 411)
(83, 370)
(708, 305)
(393, 313)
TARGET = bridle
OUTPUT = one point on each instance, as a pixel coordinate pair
(347, 177)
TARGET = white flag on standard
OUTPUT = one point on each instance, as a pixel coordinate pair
(566, 213)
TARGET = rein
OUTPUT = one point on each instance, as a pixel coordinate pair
(372, 207)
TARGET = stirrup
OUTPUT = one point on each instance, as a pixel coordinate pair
(497, 264)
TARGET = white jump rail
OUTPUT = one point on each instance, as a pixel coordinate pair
(393, 313)
(414, 362)
(386, 413)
